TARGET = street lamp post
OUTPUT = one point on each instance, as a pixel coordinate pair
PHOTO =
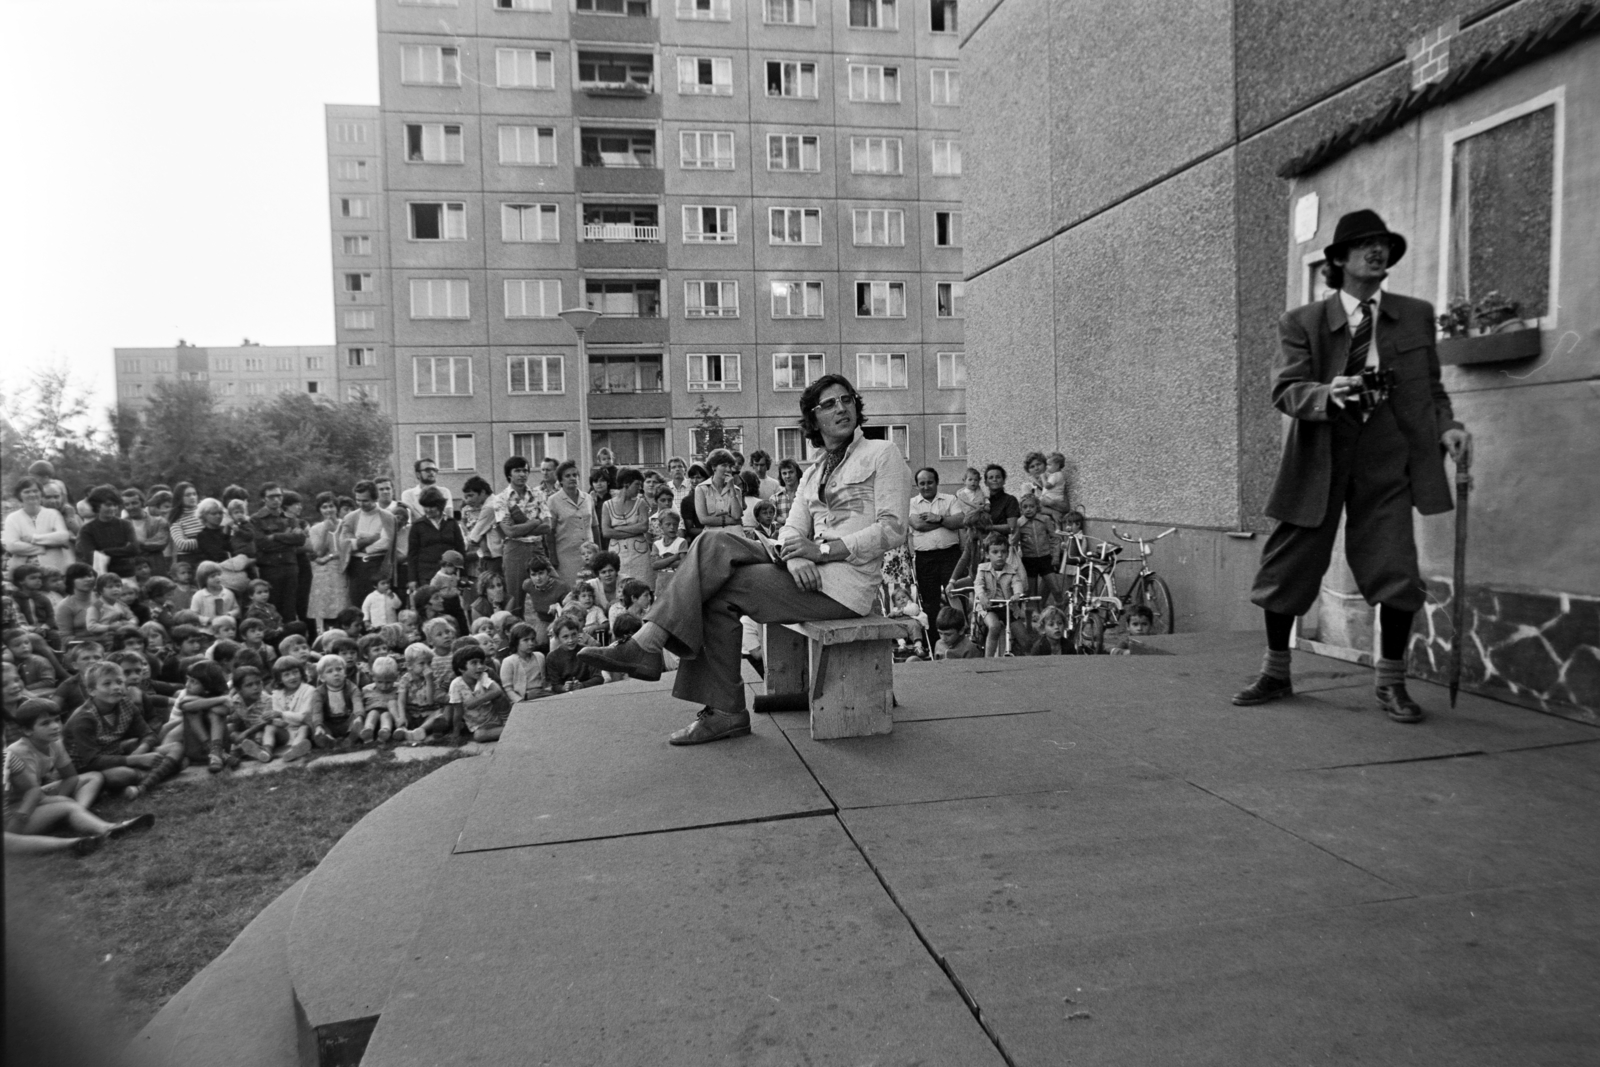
(580, 319)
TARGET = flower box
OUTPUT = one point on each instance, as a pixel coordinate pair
(1506, 347)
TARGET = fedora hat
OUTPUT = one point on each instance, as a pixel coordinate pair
(1359, 225)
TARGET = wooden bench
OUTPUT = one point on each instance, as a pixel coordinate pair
(842, 672)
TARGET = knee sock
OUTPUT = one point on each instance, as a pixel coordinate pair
(1275, 664)
(1396, 625)
(1279, 626)
(1389, 672)
(651, 637)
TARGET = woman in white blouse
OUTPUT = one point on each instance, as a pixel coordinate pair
(37, 533)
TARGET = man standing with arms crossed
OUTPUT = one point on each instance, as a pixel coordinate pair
(1360, 379)
(523, 515)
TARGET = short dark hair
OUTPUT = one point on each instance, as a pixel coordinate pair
(340, 645)
(996, 538)
(477, 484)
(416, 468)
(242, 675)
(25, 483)
(627, 476)
(626, 626)
(929, 470)
(32, 710)
(267, 487)
(23, 571)
(994, 467)
(325, 497)
(519, 633)
(698, 469)
(761, 455)
(566, 465)
(75, 571)
(749, 484)
(631, 590)
(101, 495)
(720, 457)
(605, 559)
(813, 393)
(291, 498)
(950, 618)
(465, 655)
(515, 463)
(1142, 611)
(431, 497)
(365, 487)
(210, 675)
(134, 491)
(252, 623)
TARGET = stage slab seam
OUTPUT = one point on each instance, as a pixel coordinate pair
(786, 816)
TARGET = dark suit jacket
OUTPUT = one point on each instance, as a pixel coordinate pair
(1316, 346)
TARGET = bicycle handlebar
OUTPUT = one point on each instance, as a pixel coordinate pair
(1143, 540)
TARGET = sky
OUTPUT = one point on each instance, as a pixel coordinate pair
(167, 172)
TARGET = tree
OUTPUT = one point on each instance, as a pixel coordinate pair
(50, 418)
(711, 433)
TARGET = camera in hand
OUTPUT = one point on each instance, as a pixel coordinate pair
(1375, 388)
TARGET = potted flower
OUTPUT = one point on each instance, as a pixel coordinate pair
(1490, 330)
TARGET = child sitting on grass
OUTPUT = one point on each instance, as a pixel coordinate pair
(155, 708)
(109, 734)
(38, 673)
(483, 705)
(419, 696)
(541, 595)
(201, 712)
(253, 636)
(996, 581)
(381, 606)
(564, 672)
(953, 641)
(43, 791)
(108, 609)
(250, 724)
(522, 672)
(291, 705)
(212, 598)
(491, 590)
(381, 700)
(441, 637)
(260, 607)
(336, 711)
(73, 690)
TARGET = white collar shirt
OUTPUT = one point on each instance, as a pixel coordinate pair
(1352, 317)
(937, 508)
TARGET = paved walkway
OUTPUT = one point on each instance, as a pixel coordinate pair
(1094, 861)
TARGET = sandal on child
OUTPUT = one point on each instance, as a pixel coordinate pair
(255, 751)
(296, 751)
(366, 734)
(85, 845)
(384, 734)
(215, 764)
(128, 826)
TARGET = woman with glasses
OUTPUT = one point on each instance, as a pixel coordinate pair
(828, 566)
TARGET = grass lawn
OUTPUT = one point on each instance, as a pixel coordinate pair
(148, 912)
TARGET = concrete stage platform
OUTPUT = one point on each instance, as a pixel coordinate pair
(1065, 860)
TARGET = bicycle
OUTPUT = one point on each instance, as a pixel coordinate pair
(1092, 603)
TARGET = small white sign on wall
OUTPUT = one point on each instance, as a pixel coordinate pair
(1305, 218)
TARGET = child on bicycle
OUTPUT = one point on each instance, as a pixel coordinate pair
(996, 580)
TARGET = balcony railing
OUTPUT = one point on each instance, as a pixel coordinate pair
(623, 88)
(621, 231)
(619, 159)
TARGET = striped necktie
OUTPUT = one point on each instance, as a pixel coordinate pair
(1360, 341)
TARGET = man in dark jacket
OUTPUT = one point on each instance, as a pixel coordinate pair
(109, 534)
(1360, 379)
(277, 535)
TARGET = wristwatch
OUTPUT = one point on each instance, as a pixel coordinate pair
(827, 548)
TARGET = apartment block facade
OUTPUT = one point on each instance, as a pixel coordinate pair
(750, 194)
(238, 376)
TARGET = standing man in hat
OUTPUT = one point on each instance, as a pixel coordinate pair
(1360, 379)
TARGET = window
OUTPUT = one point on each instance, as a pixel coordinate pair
(356, 245)
(874, 84)
(705, 75)
(528, 146)
(951, 299)
(131, 366)
(451, 451)
(793, 371)
(163, 366)
(791, 12)
(792, 444)
(705, 150)
(952, 440)
(438, 222)
(732, 439)
(254, 363)
(879, 300)
(1502, 188)
(712, 372)
(354, 207)
(433, 142)
(441, 375)
(132, 389)
(946, 156)
(365, 319)
(529, 222)
(439, 298)
(314, 362)
(537, 446)
(797, 300)
(524, 68)
(946, 86)
(709, 224)
(354, 393)
(952, 370)
(900, 435)
(227, 388)
(352, 170)
(350, 132)
(874, 15)
(793, 152)
(879, 226)
(875, 155)
(533, 298)
(631, 73)
(255, 388)
(535, 374)
(881, 370)
(286, 387)
(947, 229)
(522, 5)
(283, 363)
(226, 363)
(359, 356)
(711, 300)
(357, 283)
(632, 448)
(428, 3)
(430, 64)
(619, 148)
(943, 20)
(794, 79)
(796, 226)
(630, 372)
(633, 299)
(633, 8)
(710, 10)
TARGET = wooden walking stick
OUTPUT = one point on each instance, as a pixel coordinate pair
(1458, 602)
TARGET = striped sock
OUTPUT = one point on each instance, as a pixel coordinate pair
(1389, 672)
(1275, 664)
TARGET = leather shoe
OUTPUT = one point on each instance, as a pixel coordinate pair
(626, 657)
(712, 725)
(1398, 705)
(1263, 689)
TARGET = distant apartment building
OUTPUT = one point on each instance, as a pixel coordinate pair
(237, 376)
(751, 194)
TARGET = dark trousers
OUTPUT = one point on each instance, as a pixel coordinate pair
(285, 581)
(1371, 488)
(518, 556)
(723, 576)
(934, 570)
(364, 574)
(302, 596)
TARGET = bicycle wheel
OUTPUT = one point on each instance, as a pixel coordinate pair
(1151, 591)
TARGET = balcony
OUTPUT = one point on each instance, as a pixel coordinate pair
(625, 74)
(621, 232)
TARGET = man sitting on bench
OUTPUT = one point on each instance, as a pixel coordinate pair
(849, 510)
